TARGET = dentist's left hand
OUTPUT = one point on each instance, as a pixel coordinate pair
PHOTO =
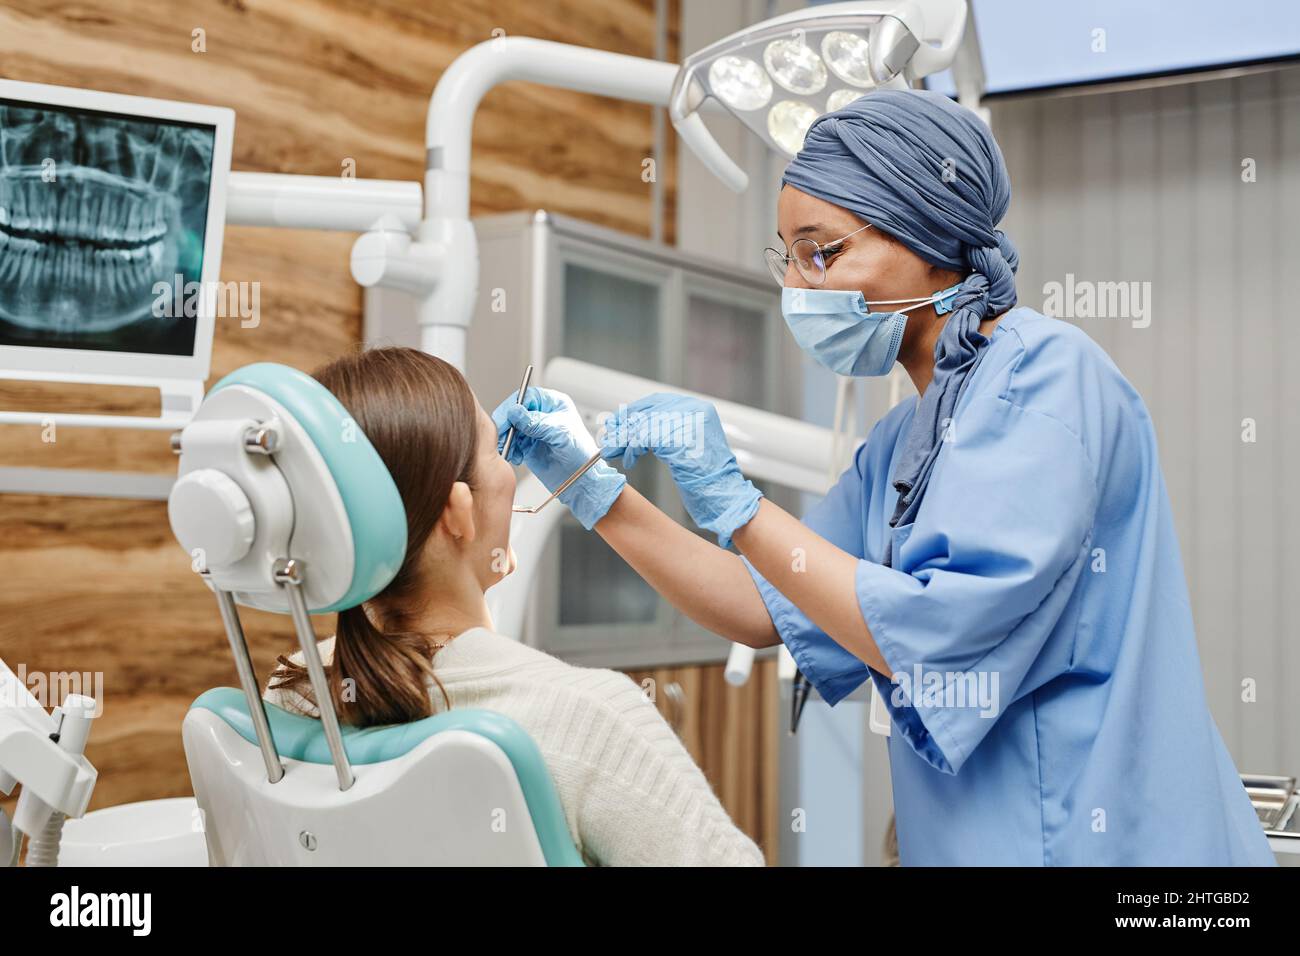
(552, 442)
(686, 434)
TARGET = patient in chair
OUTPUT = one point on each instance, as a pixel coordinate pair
(631, 793)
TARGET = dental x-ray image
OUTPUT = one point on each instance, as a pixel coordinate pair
(96, 210)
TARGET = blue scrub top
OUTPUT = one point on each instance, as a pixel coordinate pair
(1048, 707)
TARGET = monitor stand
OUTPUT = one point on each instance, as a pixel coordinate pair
(179, 400)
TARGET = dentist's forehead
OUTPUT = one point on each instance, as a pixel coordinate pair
(807, 215)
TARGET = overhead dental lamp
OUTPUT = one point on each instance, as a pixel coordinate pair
(780, 75)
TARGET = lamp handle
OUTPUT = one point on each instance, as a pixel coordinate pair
(701, 142)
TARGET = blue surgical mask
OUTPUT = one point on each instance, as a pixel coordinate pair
(840, 331)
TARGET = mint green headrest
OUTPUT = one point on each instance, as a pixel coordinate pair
(373, 505)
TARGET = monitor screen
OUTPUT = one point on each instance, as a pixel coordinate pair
(102, 225)
(1031, 45)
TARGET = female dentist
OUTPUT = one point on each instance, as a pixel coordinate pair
(1000, 558)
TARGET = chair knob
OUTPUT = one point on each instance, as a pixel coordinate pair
(210, 514)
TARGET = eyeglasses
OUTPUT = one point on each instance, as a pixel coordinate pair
(808, 257)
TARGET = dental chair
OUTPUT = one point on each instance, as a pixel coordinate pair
(284, 505)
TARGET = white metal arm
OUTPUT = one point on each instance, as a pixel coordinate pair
(440, 266)
(768, 446)
(320, 202)
(450, 123)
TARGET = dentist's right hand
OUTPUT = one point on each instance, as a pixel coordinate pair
(551, 440)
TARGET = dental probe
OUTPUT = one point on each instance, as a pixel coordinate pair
(556, 493)
(510, 433)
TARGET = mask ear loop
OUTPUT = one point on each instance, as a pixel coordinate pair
(943, 304)
(943, 301)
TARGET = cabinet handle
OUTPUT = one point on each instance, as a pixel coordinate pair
(676, 705)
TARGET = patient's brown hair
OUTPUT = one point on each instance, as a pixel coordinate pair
(421, 417)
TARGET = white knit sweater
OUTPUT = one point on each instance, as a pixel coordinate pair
(631, 793)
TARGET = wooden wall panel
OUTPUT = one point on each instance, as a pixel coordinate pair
(99, 585)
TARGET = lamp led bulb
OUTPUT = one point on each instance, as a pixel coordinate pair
(847, 54)
(795, 66)
(740, 82)
(840, 99)
(788, 122)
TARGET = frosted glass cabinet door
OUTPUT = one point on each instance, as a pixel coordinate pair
(726, 350)
(614, 321)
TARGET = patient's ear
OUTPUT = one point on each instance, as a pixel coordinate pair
(457, 518)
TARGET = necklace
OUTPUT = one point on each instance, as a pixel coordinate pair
(439, 645)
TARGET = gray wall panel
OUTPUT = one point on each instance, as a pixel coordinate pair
(1146, 185)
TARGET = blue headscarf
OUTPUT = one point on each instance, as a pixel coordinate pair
(928, 172)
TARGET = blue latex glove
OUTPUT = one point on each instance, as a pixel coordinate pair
(551, 440)
(686, 435)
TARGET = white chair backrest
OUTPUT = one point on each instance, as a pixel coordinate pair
(435, 806)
